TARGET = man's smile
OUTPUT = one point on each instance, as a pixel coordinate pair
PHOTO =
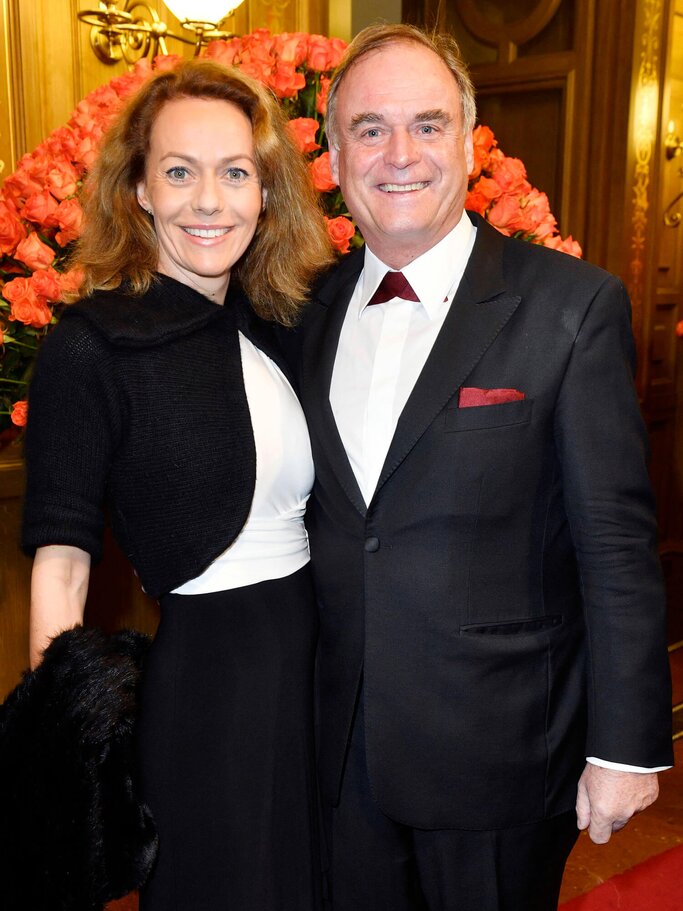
(403, 187)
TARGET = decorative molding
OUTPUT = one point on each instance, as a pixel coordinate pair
(507, 36)
(646, 119)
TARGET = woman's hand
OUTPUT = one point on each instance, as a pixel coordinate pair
(59, 586)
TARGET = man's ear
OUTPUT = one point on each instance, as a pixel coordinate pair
(334, 161)
(469, 152)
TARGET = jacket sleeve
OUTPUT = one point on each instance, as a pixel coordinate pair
(603, 450)
(73, 424)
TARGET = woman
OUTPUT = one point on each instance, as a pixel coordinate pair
(161, 397)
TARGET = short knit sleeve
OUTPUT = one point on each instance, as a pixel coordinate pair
(73, 425)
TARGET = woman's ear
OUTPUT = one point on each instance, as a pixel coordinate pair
(143, 201)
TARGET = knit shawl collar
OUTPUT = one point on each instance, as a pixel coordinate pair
(168, 310)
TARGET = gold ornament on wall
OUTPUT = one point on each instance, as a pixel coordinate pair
(134, 30)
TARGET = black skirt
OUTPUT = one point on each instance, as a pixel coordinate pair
(226, 750)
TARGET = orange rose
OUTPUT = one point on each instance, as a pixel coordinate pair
(69, 217)
(336, 48)
(318, 54)
(223, 51)
(61, 143)
(87, 150)
(286, 80)
(143, 68)
(128, 83)
(259, 71)
(26, 307)
(321, 174)
(568, 245)
(303, 130)
(19, 413)
(536, 215)
(321, 97)
(341, 230)
(483, 142)
(34, 253)
(71, 281)
(63, 179)
(292, 47)
(504, 214)
(12, 231)
(20, 185)
(510, 175)
(482, 194)
(39, 207)
(163, 63)
(45, 282)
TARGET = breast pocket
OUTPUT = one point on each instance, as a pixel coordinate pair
(487, 417)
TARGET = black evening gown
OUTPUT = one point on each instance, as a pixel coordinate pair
(226, 750)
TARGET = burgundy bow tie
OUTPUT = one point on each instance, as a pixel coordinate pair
(394, 284)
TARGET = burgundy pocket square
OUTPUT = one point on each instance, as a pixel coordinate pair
(471, 397)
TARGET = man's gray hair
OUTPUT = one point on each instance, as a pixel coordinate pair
(375, 37)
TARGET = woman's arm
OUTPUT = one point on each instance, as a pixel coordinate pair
(59, 586)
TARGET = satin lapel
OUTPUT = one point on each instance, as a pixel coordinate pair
(319, 352)
(480, 309)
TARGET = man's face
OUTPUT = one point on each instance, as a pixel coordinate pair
(402, 160)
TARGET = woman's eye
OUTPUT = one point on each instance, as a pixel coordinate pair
(177, 173)
(237, 174)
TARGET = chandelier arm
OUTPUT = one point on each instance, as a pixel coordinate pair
(115, 33)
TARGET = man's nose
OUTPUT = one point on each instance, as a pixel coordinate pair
(402, 149)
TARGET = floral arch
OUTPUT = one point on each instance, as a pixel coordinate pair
(40, 215)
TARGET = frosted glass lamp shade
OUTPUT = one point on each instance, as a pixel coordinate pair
(202, 10)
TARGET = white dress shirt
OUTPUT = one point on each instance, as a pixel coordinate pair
(382, 350)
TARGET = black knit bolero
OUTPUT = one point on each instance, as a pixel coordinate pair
(138, 407)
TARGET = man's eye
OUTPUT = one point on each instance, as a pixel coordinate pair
(372, 133)
(426, 129)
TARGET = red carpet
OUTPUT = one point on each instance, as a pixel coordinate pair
(655, 884)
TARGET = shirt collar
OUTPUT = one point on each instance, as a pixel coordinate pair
(434, 276)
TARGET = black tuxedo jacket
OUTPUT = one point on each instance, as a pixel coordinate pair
(500, 597)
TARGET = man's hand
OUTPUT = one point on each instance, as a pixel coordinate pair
(607, 799)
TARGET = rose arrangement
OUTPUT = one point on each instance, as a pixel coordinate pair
(40, 215)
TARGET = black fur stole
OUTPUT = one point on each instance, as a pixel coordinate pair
(73, 832)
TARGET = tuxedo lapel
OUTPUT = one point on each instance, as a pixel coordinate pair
(480, 309)
(320, 349)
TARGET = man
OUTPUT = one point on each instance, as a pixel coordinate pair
(481, 528)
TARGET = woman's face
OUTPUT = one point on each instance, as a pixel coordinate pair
(203, 191)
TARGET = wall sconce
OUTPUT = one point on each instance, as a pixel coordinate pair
(134, 30)
(673, 146)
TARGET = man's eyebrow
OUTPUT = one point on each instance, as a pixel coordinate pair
(365, 117)
(435, 114)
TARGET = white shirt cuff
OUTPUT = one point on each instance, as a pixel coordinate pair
(622, 767)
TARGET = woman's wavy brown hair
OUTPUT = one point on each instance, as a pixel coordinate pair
(118, 242)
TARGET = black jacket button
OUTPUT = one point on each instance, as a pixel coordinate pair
(371, 545)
